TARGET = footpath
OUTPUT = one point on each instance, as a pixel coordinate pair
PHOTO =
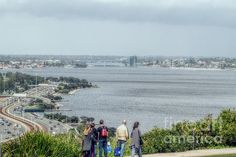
(196, 153)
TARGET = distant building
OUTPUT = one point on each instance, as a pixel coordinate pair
(133, 61)
(80, 64)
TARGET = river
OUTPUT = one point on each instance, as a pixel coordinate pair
(153, 96)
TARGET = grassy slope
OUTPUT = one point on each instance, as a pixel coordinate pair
(43, 145)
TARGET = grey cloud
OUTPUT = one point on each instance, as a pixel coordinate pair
(195, 14)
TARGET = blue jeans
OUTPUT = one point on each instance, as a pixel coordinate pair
(121, 144)
(95, 150)
(102, 147)
(136, 150)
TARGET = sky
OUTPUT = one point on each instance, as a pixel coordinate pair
(118, 27)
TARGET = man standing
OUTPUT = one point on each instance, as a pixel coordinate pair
(94, 141)
(102, 137)
(122, 135)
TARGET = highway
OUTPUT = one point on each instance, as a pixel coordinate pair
(28, 122)
(28, 125)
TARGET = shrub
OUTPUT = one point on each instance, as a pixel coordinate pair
(43, 145)
(186, 135)
(228, 127)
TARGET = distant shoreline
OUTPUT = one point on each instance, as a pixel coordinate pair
(73, 91)
(195, 69)
(172, 68)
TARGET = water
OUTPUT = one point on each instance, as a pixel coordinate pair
(149, 95)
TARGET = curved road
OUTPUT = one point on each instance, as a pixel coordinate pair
(28, 125)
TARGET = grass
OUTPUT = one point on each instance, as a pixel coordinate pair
(43, 145)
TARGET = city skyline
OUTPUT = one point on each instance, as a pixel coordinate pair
(117, 27)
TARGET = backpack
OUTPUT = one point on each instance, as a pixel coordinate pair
(104, 132)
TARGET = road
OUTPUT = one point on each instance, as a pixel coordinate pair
(27, 122)
(52, 126)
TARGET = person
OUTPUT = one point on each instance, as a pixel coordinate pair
(87, 141)
(109, 148)
(136, 141)
(94, 141)
(102, 138)
(122, 135)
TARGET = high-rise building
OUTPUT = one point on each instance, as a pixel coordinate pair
(133, 61)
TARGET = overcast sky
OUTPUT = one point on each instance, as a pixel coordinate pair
(118, 27)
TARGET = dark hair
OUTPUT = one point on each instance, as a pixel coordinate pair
(92, 125)
(101, 121)
(136, 124)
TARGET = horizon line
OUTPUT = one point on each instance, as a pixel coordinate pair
(118, 55)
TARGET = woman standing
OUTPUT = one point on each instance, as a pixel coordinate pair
(136, 141)
(87, 141)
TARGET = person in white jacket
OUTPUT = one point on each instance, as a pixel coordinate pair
(122, 135)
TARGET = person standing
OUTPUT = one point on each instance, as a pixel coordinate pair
(136, 141)
(122, 135)
(102, 138)
(87, 141)
(94, 140)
